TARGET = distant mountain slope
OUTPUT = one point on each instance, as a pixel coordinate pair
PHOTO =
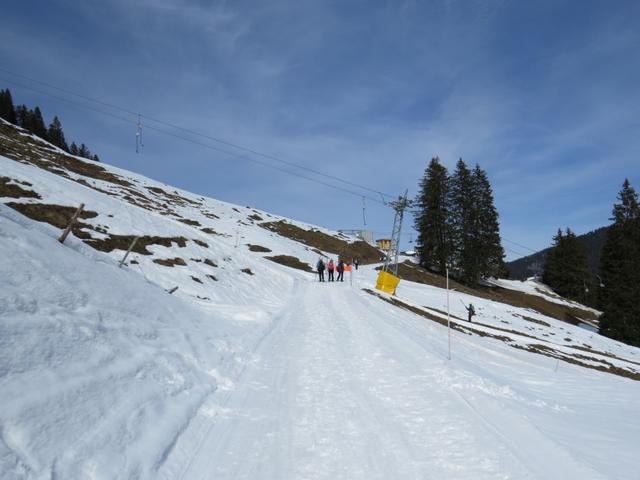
(532, 265)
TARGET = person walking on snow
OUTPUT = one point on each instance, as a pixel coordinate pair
(470, 310)
(330, 267)
(355, 263)
(320, 269)
(340, 269)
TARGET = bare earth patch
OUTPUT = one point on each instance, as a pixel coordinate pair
(290, 261)
(169, 262)
(258, 248)
(11, 188)
(364, 252)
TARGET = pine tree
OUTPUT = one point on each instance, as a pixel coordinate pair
(431, 219)
(55, 134)
(73, 149)
(566, 268)
(83, 151)
(488, 245)
(7, 110)
(463, 223)
(23, 117)
(620, 271)
(38, 125)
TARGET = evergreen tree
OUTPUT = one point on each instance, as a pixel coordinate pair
(488, 246)
(566, 268)
(463, 223)
(95, 157)
(55, 134)
(38, 125)
(73, 149)
(83, 151)
(24, 117)
(431, 219)
(7, 110)
(620, 271)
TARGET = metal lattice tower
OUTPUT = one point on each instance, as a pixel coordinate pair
(399, 206)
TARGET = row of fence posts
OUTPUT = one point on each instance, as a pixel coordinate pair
(74, 219)
(77, 213)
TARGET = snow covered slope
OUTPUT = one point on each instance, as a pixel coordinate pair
(252, 369)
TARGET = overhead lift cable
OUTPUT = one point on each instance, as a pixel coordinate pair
(139, 143)
(199, 134)
(205, 145)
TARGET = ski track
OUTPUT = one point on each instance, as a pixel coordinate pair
(338, 390)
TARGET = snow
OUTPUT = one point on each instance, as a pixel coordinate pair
(534, 287)
(104, 375)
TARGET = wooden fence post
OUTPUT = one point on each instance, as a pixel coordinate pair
(64, 235)
(133, 243)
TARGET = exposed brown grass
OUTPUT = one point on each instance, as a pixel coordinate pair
(364, 252)
(258, 248)
(547, 350)
(34, 151)
(193, 223)
(415, 273)
(11, 188)
(56, 215)
(201, 243)
(290, 261)
(122, 242)
(170, 262)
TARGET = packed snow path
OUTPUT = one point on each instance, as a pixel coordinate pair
(340, 388)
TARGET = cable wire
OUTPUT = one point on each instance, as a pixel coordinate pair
(193, 132)
(217, 140)
(195, 142)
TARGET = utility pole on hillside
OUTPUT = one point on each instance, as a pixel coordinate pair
(399, 206)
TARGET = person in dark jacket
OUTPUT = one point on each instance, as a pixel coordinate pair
(330, 268)
(320, 269)
(340, 269)
(356, 263)
(470, 310)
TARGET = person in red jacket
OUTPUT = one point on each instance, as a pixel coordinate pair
(330, 268)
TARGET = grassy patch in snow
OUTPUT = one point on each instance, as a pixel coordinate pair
(258, 248)
(364, 252)
(570, 314)
(170, 262)
(548, 350)
(11, 188)
(290, 261)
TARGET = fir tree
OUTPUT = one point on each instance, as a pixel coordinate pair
(73, 149)
(432, 217)
(23, 117)
(83, 151)
(7, 110)
(55, 134)
(488, 245)
(38, 125)
(463, 223)
(566, 268)
(620, 271)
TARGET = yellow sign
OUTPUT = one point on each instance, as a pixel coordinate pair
(387, 282)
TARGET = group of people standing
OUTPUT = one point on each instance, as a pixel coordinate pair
(332, 267)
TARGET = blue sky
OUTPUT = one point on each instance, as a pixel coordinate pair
(544, 95)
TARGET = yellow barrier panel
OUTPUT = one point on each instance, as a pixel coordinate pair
(387, 282)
